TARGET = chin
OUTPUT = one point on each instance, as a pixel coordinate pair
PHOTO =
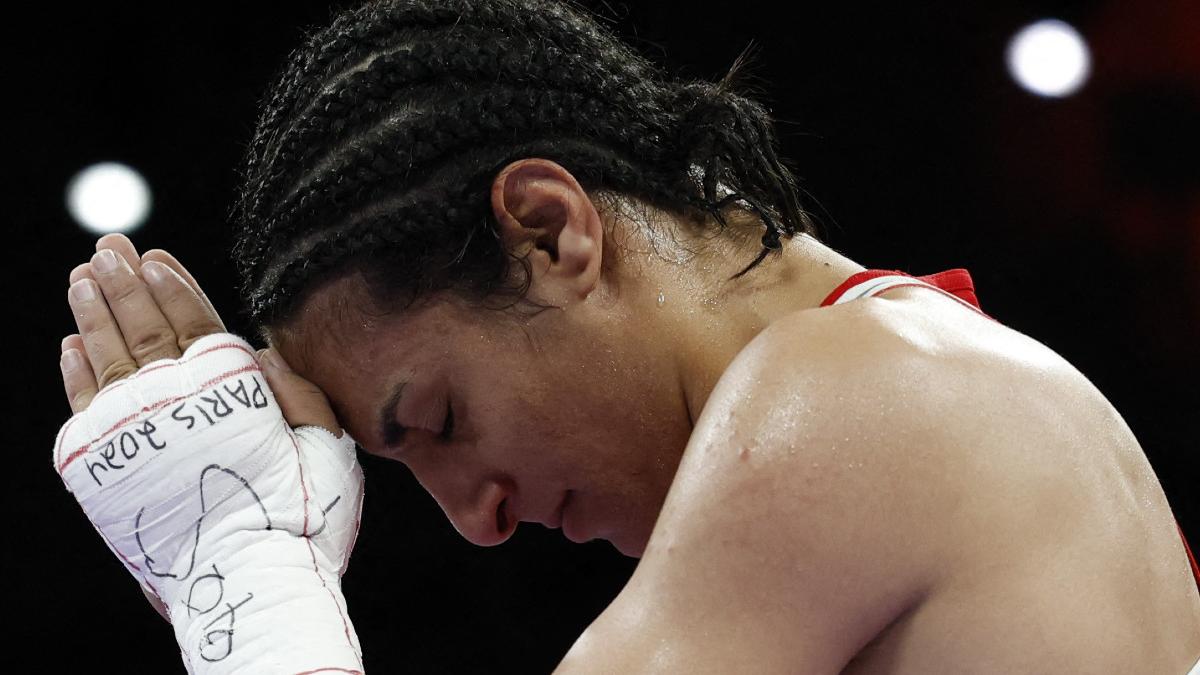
(633, 552)
(632, 549)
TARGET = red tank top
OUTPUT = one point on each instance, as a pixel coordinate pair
(955, 283)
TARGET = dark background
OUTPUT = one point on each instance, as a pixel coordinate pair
(1079, 219)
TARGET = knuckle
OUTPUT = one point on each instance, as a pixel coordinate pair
(120, 289)
(92, 320)
(152, 344)
(117, 370)
(79, 400)
(198, 329)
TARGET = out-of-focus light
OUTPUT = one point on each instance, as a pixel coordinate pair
(108, 197)
(1049, 58)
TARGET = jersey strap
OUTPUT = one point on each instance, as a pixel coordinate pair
(955, 283)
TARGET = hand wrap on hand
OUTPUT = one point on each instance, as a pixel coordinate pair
(242, 526)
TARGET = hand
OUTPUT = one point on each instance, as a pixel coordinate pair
(185, 462)
(147, 308)
(132, 310)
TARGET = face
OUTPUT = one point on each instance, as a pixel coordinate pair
(567, 418)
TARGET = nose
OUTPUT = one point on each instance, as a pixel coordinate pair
(484, 520)
(475, 498)
(480, 513)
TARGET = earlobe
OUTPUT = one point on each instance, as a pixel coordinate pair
(544, 215)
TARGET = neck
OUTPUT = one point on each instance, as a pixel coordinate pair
(713, 322)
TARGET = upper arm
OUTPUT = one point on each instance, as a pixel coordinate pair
(802, 521)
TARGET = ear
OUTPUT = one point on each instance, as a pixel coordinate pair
(545, 215)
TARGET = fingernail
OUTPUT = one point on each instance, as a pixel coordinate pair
(153, 272)
(273, 360)
(65, 342)
(105, 261)
(70, 360)
(83, 290)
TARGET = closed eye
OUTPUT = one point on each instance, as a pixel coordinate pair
(393, 434)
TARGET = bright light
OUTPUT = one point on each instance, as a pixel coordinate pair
(1049, 58)
(108, 197)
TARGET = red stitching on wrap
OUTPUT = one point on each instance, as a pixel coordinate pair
(312, 554)
(118, 384)
(151, 408)
(180, 361)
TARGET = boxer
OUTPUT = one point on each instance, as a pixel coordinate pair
(490, 241)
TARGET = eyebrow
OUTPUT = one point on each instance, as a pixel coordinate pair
(391, 431)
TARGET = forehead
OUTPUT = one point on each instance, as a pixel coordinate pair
(355, 352)
(339, 320)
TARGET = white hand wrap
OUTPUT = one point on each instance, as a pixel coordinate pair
(239, 524)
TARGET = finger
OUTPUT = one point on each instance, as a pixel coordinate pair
(159, 255)
(102, 339)
(78, 380)
(72, 341)
(148, 335)
(303, 403)
(190, 317)
(119, 243)
(82, 271)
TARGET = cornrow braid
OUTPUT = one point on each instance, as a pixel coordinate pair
(354, 35)
(402, 231)
(436, 137)
(376, 147)
(388, 80)
(351, 34)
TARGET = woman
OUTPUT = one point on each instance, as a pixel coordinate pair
(491, 242)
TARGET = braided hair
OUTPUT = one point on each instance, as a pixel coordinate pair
(376, 148)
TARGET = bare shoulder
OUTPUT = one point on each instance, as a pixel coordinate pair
(858, 471)
(802, 518)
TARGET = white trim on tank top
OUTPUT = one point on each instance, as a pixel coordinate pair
(878, 285)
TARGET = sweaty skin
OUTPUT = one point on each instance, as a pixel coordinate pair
(892, 485)
(903, 485)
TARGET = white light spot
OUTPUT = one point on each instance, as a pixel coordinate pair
(1049, 58)
(108, 197)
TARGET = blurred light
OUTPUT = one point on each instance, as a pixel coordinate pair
(108, 197)
(1049, 58)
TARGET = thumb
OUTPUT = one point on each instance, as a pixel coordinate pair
(303, 403)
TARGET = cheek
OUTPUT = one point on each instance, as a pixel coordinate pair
(522, 426)
(562, 410)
